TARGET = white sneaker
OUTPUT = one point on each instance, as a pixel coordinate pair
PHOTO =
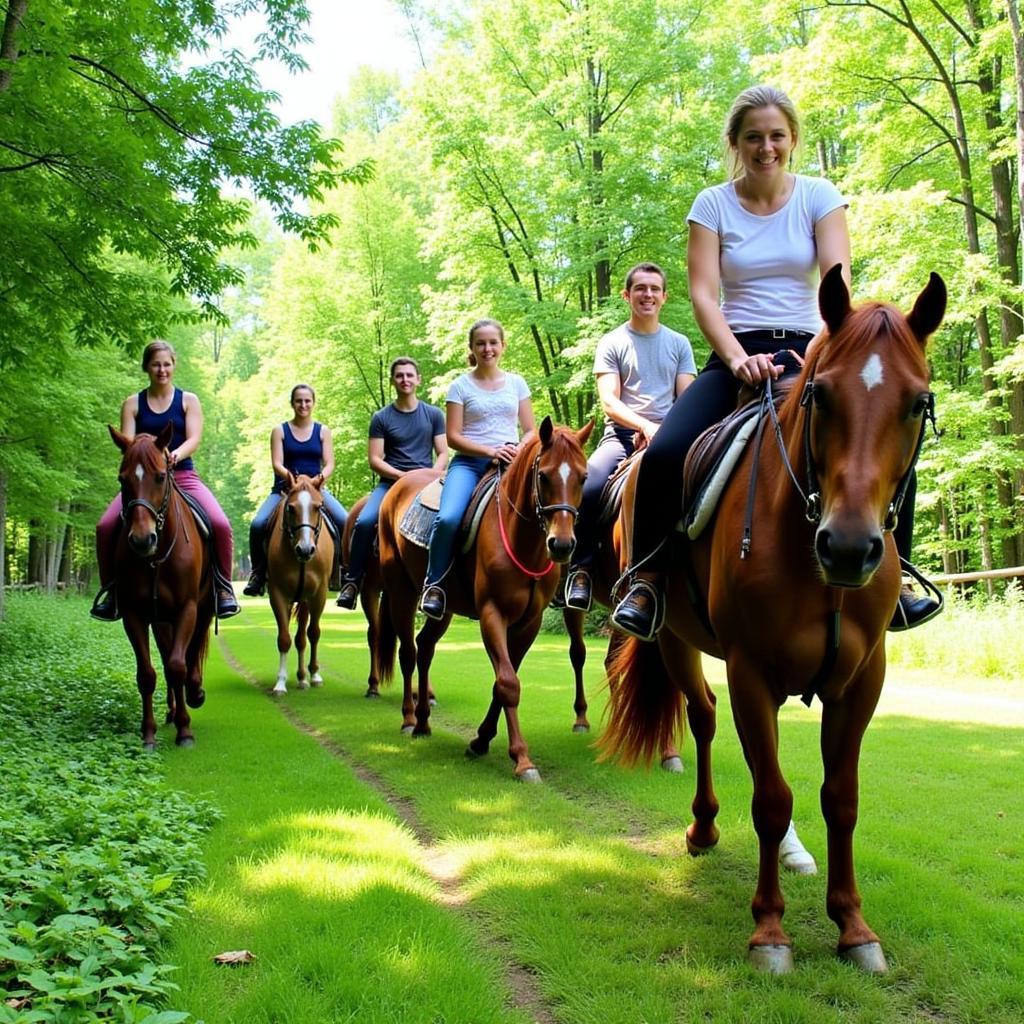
(793, 855)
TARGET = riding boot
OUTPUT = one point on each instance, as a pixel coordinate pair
(257, 584)
(433, 601)
(105, 607)
(337, 572)
(579, 589)
(227, 603)
(349, 593)
(642, 611)
(912, 610)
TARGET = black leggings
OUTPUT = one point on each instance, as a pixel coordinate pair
(659, 490)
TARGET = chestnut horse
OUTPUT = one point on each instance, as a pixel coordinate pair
(605, 569)
(300, 553)
(506, 579)
(805, 611)
(164, 580)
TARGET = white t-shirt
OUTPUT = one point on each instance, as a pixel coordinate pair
(489, 417)
(769, 265)
(647, 366)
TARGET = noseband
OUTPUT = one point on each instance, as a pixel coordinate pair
(159, 514)
(291, 532)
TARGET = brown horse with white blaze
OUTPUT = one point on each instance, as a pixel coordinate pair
(506, 579)
(300, 552)
(164, 581)
(806, 610)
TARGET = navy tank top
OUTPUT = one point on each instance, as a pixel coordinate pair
(149, 422)
(301, 456)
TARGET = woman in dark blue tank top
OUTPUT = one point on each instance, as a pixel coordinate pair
(148, 412)
(299, 446)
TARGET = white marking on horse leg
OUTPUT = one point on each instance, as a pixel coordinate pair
(282, 674)
(872, 373)
(139, 472)
(563, 471)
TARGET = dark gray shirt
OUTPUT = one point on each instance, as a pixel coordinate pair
(408, 436)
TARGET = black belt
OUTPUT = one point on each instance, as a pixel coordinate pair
(775, 334)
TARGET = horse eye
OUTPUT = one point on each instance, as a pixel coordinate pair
(160, 477)
(542, 477)
(820, 398)
(918, 408)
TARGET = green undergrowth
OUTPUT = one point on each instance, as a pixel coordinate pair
(96, 854)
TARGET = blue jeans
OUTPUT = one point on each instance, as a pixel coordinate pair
(363, 531)
(258, 526)
(464, 472)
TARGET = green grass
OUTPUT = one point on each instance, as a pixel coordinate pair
(382, 878)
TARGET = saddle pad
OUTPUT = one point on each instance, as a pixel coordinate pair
(418, 519)
(198, 513)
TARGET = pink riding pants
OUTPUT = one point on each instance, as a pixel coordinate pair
(188, 480)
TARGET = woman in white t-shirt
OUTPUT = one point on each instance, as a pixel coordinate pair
(485, 410)
(757, 247)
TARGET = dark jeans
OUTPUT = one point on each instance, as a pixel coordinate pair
(606, 458)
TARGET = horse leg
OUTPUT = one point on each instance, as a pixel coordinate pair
(301, 622)
(506, 653)
(370, 600)
(281, 608)
(683, 665)
(573, 620)
(403, 618)
(176, 670)
(426, 645)
(756, 716)
(145, 676)
(195, 695)
(842, 729)
(162, 635)
(313, 632)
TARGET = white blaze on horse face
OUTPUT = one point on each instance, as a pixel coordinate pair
(872, 374)
(139, 472)
(563, 471)
(304, 503)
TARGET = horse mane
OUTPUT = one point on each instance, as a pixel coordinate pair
(864, 325)
(517, 475)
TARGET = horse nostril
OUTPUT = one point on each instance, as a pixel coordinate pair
(823, 547)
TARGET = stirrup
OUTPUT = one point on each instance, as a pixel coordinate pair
(104, 606)
(433, 602)
(347, 596)
(900, 620)
(657, 616)
(579, 577)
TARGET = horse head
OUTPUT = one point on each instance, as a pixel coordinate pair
(303, 514)
(145, 477)
(553, 468)
(866, 405)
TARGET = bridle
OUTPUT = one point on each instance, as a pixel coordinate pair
(542, 514)
(291, 531)
(159, 514)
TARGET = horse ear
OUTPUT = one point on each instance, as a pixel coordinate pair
(292, 480)
(119, 439)
(583, 435)
(546, 431)
(834, 299)
(163, 439)
(929, 309)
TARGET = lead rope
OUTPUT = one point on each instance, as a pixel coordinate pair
(534, 574)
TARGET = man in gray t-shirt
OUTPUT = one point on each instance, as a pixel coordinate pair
(641, 368)
(404, 436)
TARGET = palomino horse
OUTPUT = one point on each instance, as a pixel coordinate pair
(606, 568)
(300, 553)
(506, 579)
(163, 580)
(805, 611)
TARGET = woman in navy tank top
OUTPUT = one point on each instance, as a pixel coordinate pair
(147, 413)
(299, 446)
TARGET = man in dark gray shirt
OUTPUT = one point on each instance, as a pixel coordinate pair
(404, 436)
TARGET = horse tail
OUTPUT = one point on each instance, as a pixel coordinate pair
(386, 643)
(645, 707)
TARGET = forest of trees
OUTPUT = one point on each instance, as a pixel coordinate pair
(542, 148)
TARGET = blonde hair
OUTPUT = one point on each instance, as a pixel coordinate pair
(158, 345)
(486, 322)
(757, 97)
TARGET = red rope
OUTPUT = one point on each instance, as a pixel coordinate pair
(532, 573)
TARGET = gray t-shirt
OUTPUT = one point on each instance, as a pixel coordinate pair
(647, 366)
(408, 436)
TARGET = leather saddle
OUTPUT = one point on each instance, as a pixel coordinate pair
(418, 519)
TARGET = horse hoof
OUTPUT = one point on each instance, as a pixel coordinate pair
(771, 959)
(303, 684)
(149, 747)
(580, 728)
(432, 702)
(530, 775)
(317, 681)
(407, 730)
(185, 741)
(474, 754)
(868, 957)
(196, 701)
(371, 693)
(695, 849)
(673, 764)
(279, 691)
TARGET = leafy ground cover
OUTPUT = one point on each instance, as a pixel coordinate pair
(378, 878)
(96, 854)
